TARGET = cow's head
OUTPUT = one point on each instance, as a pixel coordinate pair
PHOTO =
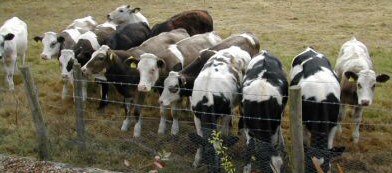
(3, 39)
(171, 88)
(268, 159)
(83, 51)
(98, 62)
(149, 67)
(52, 44)
(366, 83)
(324, 157)
(123, 14)
(66, 60)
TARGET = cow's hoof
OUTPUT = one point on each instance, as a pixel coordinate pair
(137, 130)
(126, 124)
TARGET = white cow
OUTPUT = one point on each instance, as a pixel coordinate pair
(125, 14)
(354, 68)
(13, 44)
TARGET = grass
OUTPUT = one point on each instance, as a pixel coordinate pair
(285, 28)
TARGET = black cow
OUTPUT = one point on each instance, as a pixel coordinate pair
(128, 36)
(194, 21)
(320, 106)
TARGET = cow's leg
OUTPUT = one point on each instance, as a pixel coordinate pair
(342, 114)
(226, 124)
(127, 122)
(357, 119)
(199, 132)
(138, 113)
(175, 127)
(64, 93)
(104, 96)
(331, 136)
(162, 124)
(9, 67)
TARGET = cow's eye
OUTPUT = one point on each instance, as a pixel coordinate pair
(173, 89)
(121, 11)
(152, 71)
(359, 86)
(52, 44)
(374, 86)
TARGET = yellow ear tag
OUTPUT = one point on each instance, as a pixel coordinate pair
(133, 65)
(351, 79)
(111, 57)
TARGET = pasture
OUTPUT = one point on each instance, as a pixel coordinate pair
(285, 28)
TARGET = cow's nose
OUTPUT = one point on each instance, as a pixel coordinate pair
(142, 88)
(43, 56)
(365, 102)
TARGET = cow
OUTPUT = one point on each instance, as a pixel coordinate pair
(312, 72)
(53, 42)
(128, 36)
(153, 45)
(194, 21)
(264, 97)
(216, 92)
(358, 80)
(13, 44)
(126, 14)
(87, 23)
(179, 84)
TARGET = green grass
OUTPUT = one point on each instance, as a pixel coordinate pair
(285, 28)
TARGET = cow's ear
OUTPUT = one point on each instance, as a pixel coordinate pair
(135, 10)
(60, 39)
(207, 53)
(38, 38)
(382, 78)
(70, 64)
(128, 6)
(9, 36)
(351, 76)
(131, 62)
(161, 63)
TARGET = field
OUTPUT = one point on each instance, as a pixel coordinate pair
(285, 28)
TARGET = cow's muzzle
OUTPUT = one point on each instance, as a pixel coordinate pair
(143, 88)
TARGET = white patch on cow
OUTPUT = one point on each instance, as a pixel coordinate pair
(320, 85)
(331, 137)
(66, 56)
(214, 39)
(276, 163)
(73, 33)
(11, 49)
(261, 90)
(124, 15)
(92, 38)
(149, 71)
(167, 97)
(87, 23)
(137, 129)
(173, 48)
(249, 38)
(107, 24)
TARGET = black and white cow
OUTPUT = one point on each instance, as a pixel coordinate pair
(13, 44)
(97, 65)
(126, 14)
(357, 79)
(216, 93)
(53, 42)
(320, 105)
(180, 84)
(194, 21)
(128, 36)
(264, 97)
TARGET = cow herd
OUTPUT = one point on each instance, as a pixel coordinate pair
(184, 57)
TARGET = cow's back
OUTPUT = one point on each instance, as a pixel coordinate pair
(246, 41)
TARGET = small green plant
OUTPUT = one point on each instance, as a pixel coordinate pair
(217, 141)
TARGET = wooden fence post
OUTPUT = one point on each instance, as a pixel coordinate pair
(79, 105)
(297, 154)
(35, 107)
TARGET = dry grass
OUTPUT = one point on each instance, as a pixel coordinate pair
(284, 27)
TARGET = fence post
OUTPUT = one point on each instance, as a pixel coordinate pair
(295, 104)
(35, 107)
(79, 105)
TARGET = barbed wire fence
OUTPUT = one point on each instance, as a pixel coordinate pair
(107, 147)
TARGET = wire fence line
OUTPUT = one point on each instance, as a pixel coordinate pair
(150, 143)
